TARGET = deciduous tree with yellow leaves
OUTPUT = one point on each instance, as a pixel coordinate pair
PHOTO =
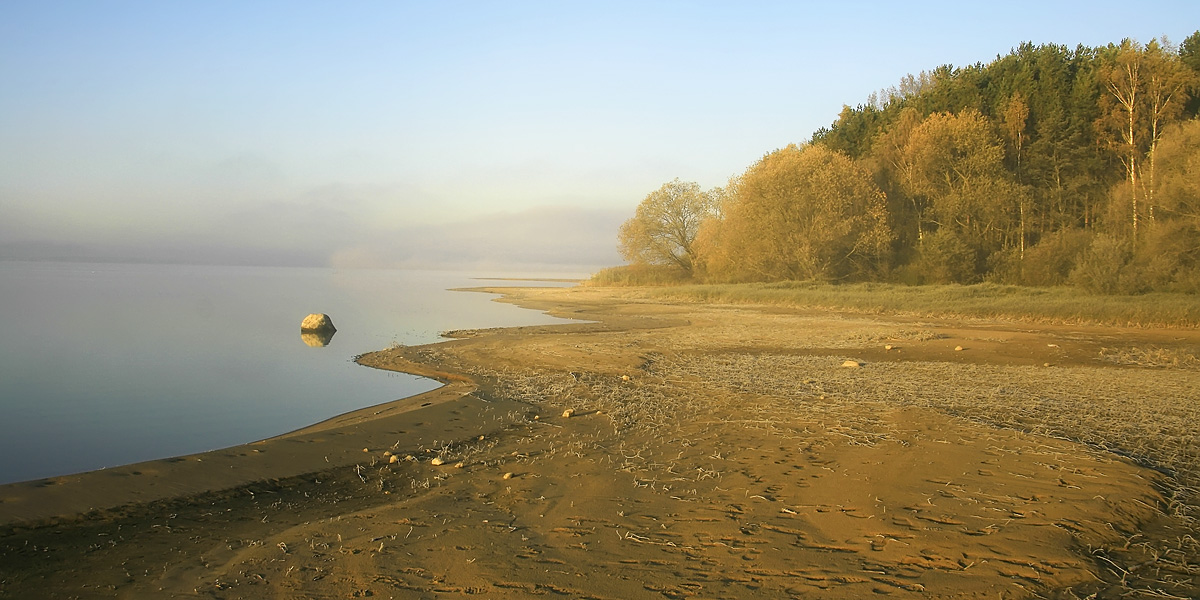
(663, 229)
(799, 213)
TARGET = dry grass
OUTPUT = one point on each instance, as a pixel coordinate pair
(1165, 358)
(639, 275)
(985, 300)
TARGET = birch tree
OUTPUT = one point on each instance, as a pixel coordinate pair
(1167, 82)
(1016, 118)
(1122, 77)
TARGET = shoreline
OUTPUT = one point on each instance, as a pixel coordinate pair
(729, 449)
(50, 499)
(91, 493)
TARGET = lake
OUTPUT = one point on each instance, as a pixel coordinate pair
(109, 364)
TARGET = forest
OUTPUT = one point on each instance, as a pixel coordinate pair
(1048, 166)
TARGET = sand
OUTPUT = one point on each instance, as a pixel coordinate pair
(673, 450)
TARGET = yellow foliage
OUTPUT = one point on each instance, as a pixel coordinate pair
(1178, 193)
(664, 227)
(798, 214)
(955, 164)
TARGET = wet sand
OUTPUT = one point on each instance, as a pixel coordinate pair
(668, 450)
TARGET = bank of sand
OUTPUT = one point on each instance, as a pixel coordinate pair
(713, 452)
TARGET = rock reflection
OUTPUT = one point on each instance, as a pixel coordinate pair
(317, 339)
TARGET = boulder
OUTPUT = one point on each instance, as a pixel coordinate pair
(317, 322)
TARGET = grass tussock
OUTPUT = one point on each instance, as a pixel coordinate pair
(985, 300)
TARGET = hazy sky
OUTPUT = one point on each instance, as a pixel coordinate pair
(465, 133)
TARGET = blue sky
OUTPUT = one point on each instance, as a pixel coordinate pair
(421, 134)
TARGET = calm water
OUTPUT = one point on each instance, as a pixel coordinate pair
(102, 365)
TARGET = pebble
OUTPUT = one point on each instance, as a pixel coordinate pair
(888, 347)
(567, 414)
(852, 364)
(958, 348)
(624, 378)
(437, 460)
(460, 464)
(507, 476)
(393, 459)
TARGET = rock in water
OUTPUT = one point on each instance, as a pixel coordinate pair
(317, 322)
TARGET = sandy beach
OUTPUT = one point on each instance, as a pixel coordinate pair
(673, 450)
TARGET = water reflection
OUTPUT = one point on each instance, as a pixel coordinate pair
(317, 339)
(124, 363)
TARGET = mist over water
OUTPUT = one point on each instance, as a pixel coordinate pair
(108, 364)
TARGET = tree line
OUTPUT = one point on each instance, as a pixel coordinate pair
(1047, 166)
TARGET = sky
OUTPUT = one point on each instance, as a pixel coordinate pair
(498, 135)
